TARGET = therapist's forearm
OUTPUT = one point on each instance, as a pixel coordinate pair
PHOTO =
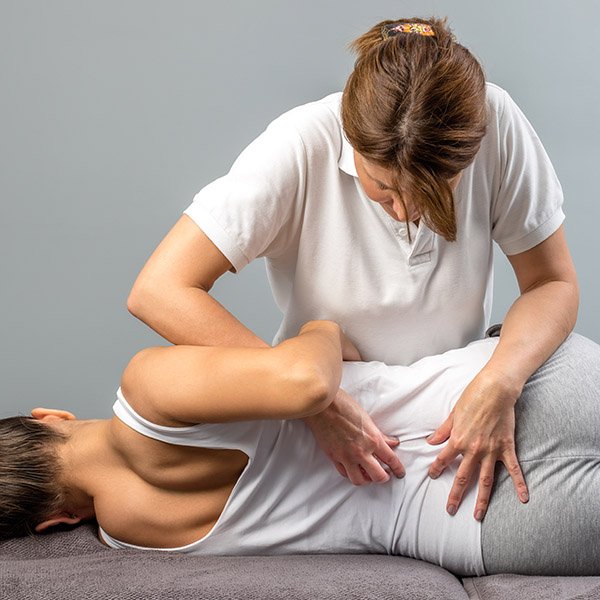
(534, 327)
(191, 316)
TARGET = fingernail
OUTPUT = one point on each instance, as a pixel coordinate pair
(401, 475)
(524, 496)
(429, 438)
(479, 515)
(451, 509)
(433, 476)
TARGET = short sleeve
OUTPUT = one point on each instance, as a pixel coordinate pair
(245, 211)
(528, 207)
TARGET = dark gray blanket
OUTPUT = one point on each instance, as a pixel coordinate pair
(72, 564)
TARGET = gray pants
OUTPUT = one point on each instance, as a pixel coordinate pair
(557, 440)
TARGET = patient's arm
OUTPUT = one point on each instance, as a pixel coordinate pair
(179, 385)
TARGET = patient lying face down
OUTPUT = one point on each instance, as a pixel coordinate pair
(206, 453)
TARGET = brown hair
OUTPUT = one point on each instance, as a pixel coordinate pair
(29, 470)
(415, 104)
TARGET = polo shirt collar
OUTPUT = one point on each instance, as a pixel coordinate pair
(346, 161)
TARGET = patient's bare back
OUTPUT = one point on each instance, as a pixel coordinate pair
(164, 495)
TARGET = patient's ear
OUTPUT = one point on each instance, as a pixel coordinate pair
(57, 519)
(52, 414)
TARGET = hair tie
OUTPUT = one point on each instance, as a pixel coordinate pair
(395, 28)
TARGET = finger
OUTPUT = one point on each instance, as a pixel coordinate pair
(365, 474)
(461, 481)
(486, 480)
(341, 470)
(442, 460)
(392, 441)
(374, 470)
(442, 433)
(509, 458)
(355, 474)
(388, 457)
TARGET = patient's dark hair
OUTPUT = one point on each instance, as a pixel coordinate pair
(29, 469)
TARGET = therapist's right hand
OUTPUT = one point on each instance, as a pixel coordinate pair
(355, 445)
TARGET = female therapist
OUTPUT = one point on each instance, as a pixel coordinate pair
(377, 208)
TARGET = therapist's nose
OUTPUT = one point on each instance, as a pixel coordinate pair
(411, 213)
(398, 208)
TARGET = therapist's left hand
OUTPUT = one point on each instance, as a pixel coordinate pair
(481, 427)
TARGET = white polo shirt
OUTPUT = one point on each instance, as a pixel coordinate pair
(293, 197)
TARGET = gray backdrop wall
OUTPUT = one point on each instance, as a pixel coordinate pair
(114, 114)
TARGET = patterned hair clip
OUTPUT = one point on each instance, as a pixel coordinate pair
(395, 28)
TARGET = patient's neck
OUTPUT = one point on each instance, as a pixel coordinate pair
(87, 458)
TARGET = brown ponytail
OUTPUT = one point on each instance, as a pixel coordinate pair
(415, 104)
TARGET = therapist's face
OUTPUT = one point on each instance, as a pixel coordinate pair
(377, 184)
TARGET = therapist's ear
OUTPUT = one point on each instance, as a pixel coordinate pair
(52, 414)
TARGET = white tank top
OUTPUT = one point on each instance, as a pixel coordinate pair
(290, 499)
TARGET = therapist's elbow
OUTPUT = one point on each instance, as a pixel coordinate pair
(142, 298)
(135, 301)
(574, 296)
(569, 285)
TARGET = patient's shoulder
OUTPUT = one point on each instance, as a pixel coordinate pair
(137, 388)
